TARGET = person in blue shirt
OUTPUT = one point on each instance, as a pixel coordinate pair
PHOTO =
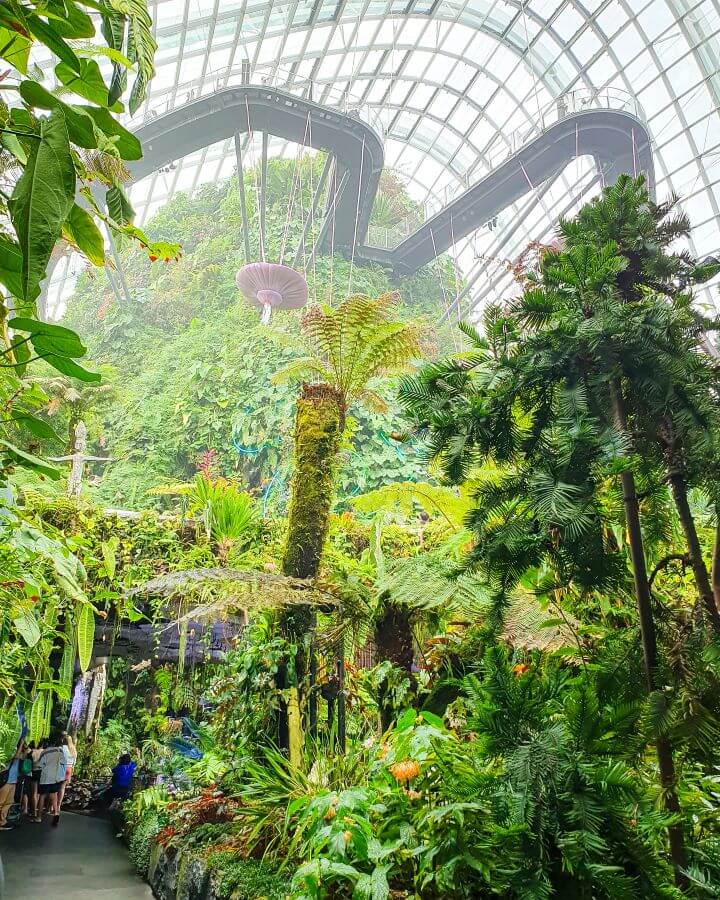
(7, 791)
(122, 779)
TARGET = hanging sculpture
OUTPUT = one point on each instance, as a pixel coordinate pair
(272, 286)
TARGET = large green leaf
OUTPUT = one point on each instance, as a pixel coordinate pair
(28, 628)
(48, 35)
(119, 205)
(70, 368)
(81, 128)
(35, 426)
(54, 338)
(36, 719)
(11, 261)
(82, 231)
(85, 635)
(67, 665)
(14, 49)
(28, 461)
(141, 45)
(128, 146)
(88, 83)
(42, 200)
(73, 22)
(114, 29)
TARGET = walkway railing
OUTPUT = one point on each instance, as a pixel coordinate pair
(501, 148)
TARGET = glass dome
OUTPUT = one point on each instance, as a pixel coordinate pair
(454, 87)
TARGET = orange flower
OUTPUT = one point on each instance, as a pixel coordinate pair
(152, 258)
(405, 770)
(348, 836)
(521, 669)
(330, 814)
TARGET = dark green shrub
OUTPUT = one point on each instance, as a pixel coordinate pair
(246, 879)
(142, 841)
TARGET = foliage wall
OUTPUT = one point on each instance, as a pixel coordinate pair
(188, 367)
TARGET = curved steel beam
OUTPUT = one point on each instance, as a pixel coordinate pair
(357, 147)
(618, 141)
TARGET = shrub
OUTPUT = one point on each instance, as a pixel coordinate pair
(246, 879)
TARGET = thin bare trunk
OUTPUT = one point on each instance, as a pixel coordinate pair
(716, 559)
(649, 640)
(700, 572)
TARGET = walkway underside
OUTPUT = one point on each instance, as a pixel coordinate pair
(618, 142)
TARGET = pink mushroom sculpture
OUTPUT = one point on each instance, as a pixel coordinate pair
(272, 286)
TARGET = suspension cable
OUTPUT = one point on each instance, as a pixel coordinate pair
(357, 215)
(251, 143)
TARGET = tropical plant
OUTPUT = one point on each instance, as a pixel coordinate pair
(602, 343)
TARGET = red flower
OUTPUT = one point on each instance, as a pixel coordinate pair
(152, 258)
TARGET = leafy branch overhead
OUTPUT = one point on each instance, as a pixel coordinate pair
(49, 130)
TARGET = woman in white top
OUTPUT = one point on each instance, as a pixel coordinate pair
(52, 776)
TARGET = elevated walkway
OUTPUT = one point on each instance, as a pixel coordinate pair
(356, 147)
(616, 138)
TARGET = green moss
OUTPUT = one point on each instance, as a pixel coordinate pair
(246, 879)
(318, 429)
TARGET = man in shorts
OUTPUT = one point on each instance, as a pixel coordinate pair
(53, 767)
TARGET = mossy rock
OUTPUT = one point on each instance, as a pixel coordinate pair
(164, 880)
(192, 879)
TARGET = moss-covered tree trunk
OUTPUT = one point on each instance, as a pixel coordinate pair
(319, 423)
(394, 642)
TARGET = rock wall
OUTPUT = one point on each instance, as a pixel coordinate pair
(174, 876)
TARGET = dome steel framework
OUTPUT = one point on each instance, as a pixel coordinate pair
(456, 87)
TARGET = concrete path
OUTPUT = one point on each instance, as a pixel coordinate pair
(79, 860)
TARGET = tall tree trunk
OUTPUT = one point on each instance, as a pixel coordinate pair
(700, 572)
(649, 641)
(716, 558)
(394, 643)
(319, 423)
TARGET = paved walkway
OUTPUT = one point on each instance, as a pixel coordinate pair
(79, 860)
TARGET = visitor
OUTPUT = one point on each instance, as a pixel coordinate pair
(122, 779)
(70, 754)
(36, 752)
(9, 781)
(52, 776)
(26, 769)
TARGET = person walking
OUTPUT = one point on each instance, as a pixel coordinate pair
(70, 753)
(36, 752)
(52, 776)
(26, 768)
(7, 791)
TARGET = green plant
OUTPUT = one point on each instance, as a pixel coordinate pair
(141, 840)
(246, 879)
